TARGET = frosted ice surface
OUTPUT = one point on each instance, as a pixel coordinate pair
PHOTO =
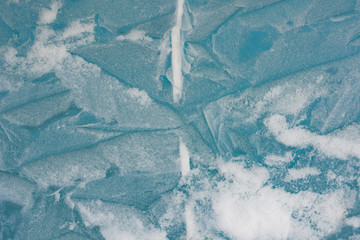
(179, 119)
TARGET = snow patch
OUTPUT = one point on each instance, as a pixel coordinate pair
(353, 222)
(77, 28)
(246, 207)
(135, 36)
(278, 160)
(341, 144)
(118, 222)
(49, 15)
(140, 95)
(295, 174)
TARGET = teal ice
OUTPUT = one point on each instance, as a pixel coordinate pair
(179, 119)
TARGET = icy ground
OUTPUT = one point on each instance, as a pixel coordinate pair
(165, 119)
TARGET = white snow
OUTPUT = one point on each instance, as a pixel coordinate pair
(49, 15)
(246, 208)
(295, 174)
(189, 221)
(278, 160)
(118, 222)
(77, 28)
(135, 36)
(353, 222)
(341, 144)
(140, 95)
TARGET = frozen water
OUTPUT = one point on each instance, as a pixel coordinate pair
(179, 119)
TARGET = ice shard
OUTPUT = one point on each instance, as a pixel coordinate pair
(179, 119)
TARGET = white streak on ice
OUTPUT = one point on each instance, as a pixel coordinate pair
(184, 159)
(56, 194)
(176, 53)
(189, 220)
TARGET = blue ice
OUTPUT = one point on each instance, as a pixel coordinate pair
(179, 119)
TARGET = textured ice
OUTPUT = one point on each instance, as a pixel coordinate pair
(179, 119)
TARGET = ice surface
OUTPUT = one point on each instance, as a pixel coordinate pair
(131, 153)
(180, 119)
(16, 190)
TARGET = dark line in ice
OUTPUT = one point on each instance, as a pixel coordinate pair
(208, 127)
(128, 28)
(34, 100)
(129, 130)
(305, 69)
(87, 146)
